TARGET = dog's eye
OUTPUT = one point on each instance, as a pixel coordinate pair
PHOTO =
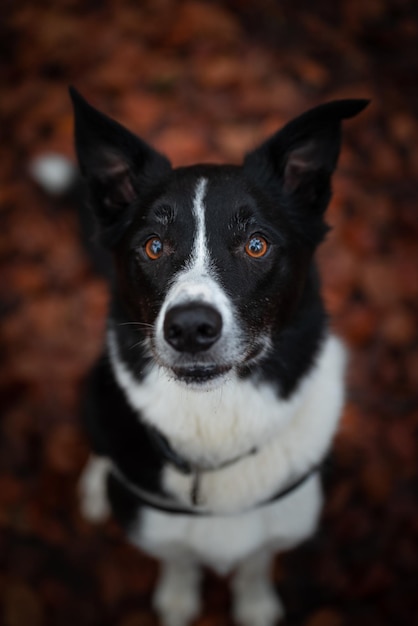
(153, 248)
(256, 247)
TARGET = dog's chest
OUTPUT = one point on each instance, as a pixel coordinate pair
(271, 441)
(222, 542)
(215, 427)
(209, 428)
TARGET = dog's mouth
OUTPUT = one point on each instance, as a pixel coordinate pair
(200, 375)
(211, 374)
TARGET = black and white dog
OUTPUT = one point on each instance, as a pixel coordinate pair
(221, 387)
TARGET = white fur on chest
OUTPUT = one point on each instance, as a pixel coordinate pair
(208, 427)
(222, 542)
(212, 427)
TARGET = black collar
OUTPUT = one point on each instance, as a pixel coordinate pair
(169, 506)
(161, 503)
(184, 466)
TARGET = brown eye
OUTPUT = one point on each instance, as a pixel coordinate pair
(154, 248)
(256, 247)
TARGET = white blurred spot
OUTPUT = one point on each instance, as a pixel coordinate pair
(53, 172)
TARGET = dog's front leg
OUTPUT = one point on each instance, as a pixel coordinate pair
(256, 602)
(177, 597)
(92, 489)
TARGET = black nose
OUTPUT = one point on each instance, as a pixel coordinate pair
(192, 327)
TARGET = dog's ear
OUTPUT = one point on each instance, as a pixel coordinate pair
(300, 159)
(116, 165)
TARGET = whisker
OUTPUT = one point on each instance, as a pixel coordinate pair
(141, 324)
(135, 345)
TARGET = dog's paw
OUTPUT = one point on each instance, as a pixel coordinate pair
(176, 606)
(258, 607)
(94, 504)
(177, 597)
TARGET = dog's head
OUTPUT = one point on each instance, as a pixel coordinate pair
(210, 261)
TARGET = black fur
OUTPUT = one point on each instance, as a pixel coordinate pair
(281, 191)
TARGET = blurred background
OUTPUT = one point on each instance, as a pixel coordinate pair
(206, 81)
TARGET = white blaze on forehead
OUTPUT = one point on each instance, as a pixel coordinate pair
(199, 260)
(198, 282)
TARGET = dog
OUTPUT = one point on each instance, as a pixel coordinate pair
(221, 386)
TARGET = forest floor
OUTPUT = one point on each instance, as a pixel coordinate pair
(207, 81)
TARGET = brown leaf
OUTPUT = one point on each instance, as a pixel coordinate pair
(377, 480)
(358, 324)
(325, 617)
(139, 618)
(197, 21)
(399, 327)
(21, 606)
(380, 282)
(65, 449)
(183, 147)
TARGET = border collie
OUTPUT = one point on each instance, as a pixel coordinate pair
(221, 387)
